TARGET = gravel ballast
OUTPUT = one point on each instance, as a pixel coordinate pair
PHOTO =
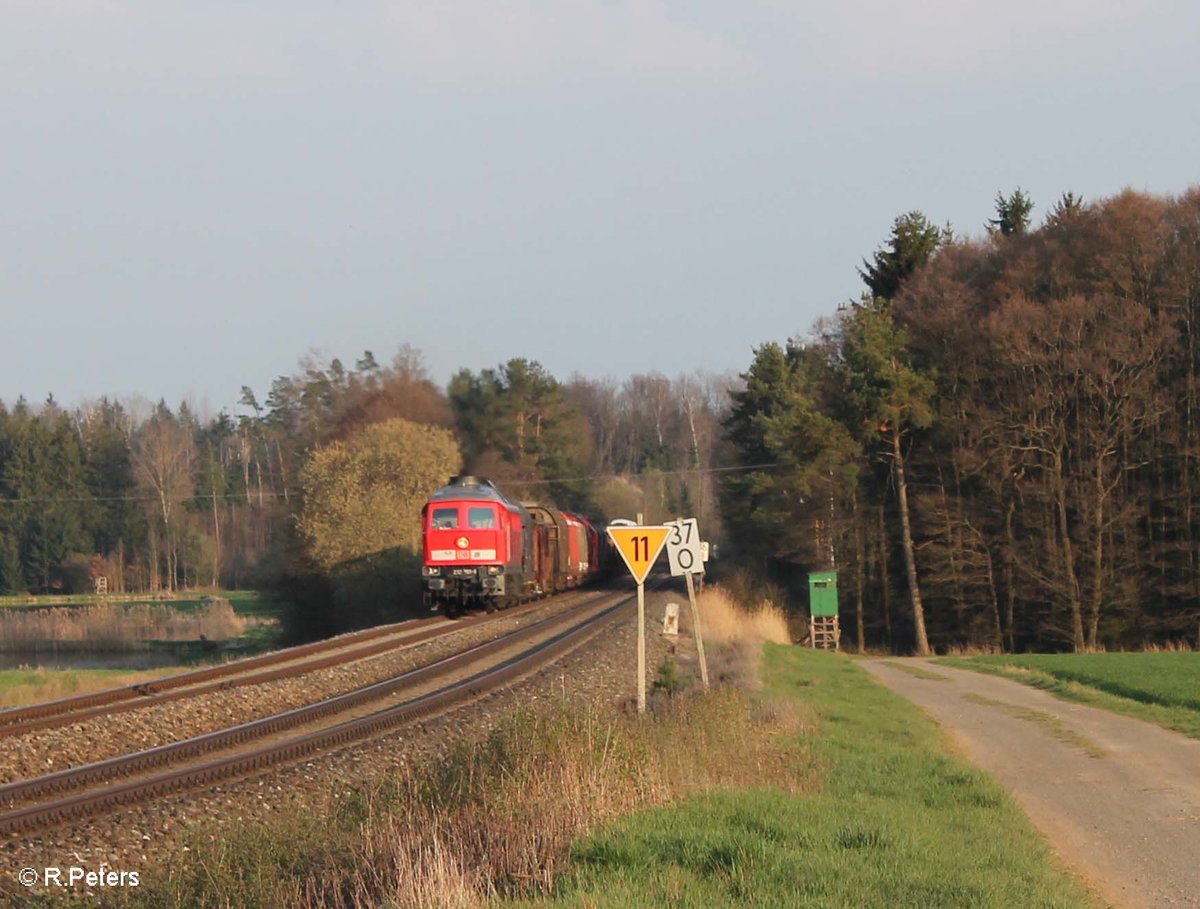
(135, 839)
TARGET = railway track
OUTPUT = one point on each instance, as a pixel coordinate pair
(19, 718)
(257, 670)
(37, 803)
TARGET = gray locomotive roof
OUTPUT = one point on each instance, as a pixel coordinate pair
(471, 488)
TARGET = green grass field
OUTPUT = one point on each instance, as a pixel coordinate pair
(1162, 688)
(896, 821)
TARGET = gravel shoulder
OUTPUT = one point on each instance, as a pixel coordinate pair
(1118, 798)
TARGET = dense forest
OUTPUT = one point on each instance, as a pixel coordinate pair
(996, 446)
(317, 488)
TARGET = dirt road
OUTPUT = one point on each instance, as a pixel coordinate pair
(1118, 799)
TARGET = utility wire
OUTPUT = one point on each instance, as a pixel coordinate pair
(268, 494)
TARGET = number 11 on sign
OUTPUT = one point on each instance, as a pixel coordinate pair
(642, 542)
(639, 546)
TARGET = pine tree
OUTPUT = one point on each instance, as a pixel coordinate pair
(1012, 214)
(913, 242)
(893, 398)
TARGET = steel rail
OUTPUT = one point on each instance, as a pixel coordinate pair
(66, 711)
(85, 804)
(14, 715)
(338, 657)
(144, 761)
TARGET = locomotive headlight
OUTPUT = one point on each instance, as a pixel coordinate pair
(493, 569)
(462, 542)
(431, 571)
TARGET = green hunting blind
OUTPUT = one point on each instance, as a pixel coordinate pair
(822, 593)
(824, 629)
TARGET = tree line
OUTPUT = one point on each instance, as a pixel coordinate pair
(329, 468)
(997, 445)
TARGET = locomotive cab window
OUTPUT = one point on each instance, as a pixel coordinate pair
(481, 518)
(444, 519)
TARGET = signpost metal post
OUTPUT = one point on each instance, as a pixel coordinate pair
(685, 555)
(639, 546)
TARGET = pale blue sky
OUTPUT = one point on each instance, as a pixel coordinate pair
(195, 194)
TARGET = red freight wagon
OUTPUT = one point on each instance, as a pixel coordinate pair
(549, 543)
(589, 546)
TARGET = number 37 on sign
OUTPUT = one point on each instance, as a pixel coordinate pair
(685, 551)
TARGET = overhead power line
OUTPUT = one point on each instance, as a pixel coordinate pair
(269, 494)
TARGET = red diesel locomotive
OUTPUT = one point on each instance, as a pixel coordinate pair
(483, 550)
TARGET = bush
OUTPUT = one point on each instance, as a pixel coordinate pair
(74, 573)
(372, 590)
(669, 681)
(364, 496)
(377, 588)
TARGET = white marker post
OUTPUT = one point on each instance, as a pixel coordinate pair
(684, 552)
(639, 546)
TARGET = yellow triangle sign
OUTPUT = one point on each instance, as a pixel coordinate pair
(639, 547)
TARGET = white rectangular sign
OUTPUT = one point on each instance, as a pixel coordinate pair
(454, 555)
(683, 547)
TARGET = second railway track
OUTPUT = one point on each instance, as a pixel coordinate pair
(140, 776)
(254, 670)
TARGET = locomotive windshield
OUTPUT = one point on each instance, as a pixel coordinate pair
(444, 519)
(481, 518)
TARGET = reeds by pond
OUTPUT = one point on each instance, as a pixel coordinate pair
(116, 627)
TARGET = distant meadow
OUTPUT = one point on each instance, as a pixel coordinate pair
(120, 627)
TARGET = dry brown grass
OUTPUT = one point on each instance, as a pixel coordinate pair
(734, 635)
(499, 817)
(113, 627)
(1169, 647)
(971, 650)
(726, 621)
(19, 687)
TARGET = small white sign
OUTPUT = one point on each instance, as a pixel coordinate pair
(671, 620)
(704, 547)
(684, 551)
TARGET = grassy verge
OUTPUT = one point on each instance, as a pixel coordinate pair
(495, 818)
(252, 603)
(896, 822)
(1160, 688)
(824, 791)
(30, 686)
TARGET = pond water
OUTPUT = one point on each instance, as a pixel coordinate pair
(48, 659)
